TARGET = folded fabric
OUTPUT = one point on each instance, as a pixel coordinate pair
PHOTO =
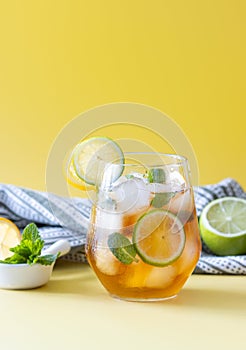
(55, 216)
(58, 217)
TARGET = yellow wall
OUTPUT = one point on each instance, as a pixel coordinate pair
(184, 57)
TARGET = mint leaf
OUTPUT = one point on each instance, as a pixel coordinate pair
(29, 249)
(31, 243)
(14, 259)
(156, 175)
(31, 233)
(47, 259)
(122, 248)
(161, 199)
(31, 240)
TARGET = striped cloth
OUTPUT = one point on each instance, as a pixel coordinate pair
(58, 217)
(55, 216)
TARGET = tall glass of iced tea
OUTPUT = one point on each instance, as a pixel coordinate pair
(144, 241)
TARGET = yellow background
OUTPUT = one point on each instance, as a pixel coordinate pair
(60, 58)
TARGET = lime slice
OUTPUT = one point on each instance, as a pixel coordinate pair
(90, 157)
(159, 237)
(223, 226)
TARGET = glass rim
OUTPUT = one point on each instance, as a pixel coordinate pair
(180, 159)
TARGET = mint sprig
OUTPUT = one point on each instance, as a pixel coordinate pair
(122, 248)
(156, 175)
(29, 249)
(161, 199)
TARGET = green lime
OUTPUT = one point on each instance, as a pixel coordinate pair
(91, 156)
(223, 226)
(159, 237)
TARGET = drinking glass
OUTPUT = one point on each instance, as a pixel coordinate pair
(144, 242)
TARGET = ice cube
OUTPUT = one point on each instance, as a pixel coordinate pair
(136, 275)
(118, 182)
(161, 277)
(137, 176)
(105, 202)
(131, 195)
(141, 275)
(177, 178)
(180, 203)
(107, 263)
(187, 260)
(159, 188)
(191, 253)
(174, 178)
(110, 221)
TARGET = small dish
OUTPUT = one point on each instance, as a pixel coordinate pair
(25, 276)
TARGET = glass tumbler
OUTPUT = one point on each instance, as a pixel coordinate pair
(144, 242)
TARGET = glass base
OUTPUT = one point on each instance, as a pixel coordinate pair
(142, 300)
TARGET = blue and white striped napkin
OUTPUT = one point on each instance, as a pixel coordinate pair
(55, 216)
(58, 217)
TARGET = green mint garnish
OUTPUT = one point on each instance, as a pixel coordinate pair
(47, 259)
(29, 249)
(161, 199)
(156, 175)
(122, 248)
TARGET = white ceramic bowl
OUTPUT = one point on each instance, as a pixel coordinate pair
(25, 276)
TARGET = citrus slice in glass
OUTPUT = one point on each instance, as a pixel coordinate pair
(73, 179)
(159, 237)
(9, 237)
(91, 156)
(223, 226)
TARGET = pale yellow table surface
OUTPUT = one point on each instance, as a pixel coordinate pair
(73, 311)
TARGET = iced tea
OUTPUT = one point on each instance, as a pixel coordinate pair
(144, 241)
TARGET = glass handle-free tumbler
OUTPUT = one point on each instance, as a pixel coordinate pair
(144, 240)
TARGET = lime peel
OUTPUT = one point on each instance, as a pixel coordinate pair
(90, 157)
(159, 237)
(223, 226)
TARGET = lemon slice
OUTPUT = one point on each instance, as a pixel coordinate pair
(223, 226)
(73, 179)
(159, 237)
(91, 156)
(9, 237)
